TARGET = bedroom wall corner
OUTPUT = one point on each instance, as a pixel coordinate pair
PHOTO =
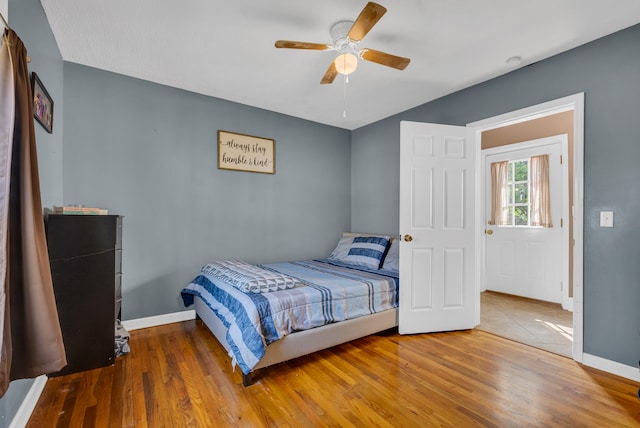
(29, 21)
(375, 168)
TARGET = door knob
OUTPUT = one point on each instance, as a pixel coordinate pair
(489, 232)
(408, 238)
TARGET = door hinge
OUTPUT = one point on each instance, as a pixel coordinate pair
(560, 159)
(561, 223)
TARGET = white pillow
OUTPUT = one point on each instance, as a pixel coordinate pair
(342, 249)
(392, 259)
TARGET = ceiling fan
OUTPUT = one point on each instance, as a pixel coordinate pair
(346, 36)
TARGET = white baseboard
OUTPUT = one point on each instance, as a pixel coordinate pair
(21, 418)
(612, 367)
(156, 320)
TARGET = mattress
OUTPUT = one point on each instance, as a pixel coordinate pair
(327, 291)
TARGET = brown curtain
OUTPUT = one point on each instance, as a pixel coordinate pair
(499, 193)
(31, 336)
(540, 191)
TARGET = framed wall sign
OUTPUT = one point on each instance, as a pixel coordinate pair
(42, 104)
(241, 152)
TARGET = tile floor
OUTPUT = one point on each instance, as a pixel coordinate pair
(536, 323)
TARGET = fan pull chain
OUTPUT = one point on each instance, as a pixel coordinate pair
(344, 95)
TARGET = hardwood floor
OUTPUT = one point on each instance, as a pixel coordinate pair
(178, 375)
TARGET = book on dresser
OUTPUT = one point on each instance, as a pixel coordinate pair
(80, 210)
(85, 253)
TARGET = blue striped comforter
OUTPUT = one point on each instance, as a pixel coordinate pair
(332, 291)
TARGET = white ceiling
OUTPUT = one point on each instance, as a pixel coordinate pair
(226, 48)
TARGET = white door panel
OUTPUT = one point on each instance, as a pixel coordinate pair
(437, 207)
(528, 261)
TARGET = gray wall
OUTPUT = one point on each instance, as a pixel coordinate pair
(608, 72)
(149, 152)
(28, 20)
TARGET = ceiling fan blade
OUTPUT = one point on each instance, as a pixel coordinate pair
(385, 59)
(369, 16)
(330, 75)
(301, 45)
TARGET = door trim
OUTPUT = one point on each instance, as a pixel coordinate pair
(576, 103)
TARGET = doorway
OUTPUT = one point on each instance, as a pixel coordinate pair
(504, 124)
(526, 273)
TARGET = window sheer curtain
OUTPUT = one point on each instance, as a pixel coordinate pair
(540, 191)
(499, 193)
(31, 336)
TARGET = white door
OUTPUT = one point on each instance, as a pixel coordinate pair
(520, 259)
(437, 223)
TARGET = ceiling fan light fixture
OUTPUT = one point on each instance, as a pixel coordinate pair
(346, 63)
(346, 36)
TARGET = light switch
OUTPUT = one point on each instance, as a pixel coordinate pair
(606, 218)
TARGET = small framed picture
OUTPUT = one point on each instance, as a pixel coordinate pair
(42, 104)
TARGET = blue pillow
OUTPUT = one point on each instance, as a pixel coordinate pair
(367, 251)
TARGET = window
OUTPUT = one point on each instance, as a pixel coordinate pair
(518, 191)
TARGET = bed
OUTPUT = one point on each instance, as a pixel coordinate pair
(290, 309)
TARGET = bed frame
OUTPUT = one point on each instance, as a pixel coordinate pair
(307, 341)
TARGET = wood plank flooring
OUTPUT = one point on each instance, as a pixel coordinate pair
(178, 375)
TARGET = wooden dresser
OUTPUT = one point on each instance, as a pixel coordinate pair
(85, 252)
